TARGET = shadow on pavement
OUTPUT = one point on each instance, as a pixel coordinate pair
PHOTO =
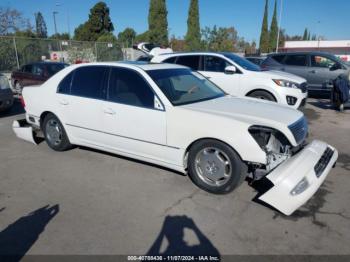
(173, 231)
(18, 238)
(16, 109)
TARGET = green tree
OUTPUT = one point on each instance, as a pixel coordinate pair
(63, 36)
(220, 39)
(264, 37)
(127, 37)
(99, 23)
(306, 34)
(107, 37)
(144, 37)
(158, 22)
(193, 36)
(273, 30)
(40, 26)
(309, 36)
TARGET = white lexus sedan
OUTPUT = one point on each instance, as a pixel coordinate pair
(172, 116)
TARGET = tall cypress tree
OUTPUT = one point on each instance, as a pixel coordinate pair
(305, 36)
(98, 24)
(273, 30)
(40, 26)
(193, 36)
(158, 22)
(264, 37)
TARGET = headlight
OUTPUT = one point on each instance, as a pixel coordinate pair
(285, 83)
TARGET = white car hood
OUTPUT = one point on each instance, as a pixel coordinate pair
(250, 110)
(273, 74)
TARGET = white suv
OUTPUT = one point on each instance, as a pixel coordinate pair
(239, 77)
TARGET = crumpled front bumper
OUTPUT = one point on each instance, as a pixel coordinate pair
(24, 131)
(299, 172)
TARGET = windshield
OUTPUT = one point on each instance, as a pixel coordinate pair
(183, 86)
(242, 62)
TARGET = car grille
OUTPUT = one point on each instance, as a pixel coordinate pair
(299, 130)
(303, 87)
(323, 162)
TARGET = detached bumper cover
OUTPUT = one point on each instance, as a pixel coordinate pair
(305, 171)
(24, 131)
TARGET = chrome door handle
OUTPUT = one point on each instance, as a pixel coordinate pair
(313, 71)
(108, 111)
(64, 102)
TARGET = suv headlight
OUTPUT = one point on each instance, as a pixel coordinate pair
(285, 83)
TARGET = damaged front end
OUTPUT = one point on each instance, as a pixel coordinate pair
(274, 144)
(25, 131)
(291, 175)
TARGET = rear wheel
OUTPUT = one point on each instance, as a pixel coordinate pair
(215, 167)
(262, 95)
(55, 135)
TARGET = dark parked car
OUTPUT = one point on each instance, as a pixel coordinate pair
(318, 68)
(258, 60)
(35, 74)
(6, 95)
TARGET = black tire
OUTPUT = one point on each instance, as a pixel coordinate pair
(262, 95)
(61, 144)
(238, 168)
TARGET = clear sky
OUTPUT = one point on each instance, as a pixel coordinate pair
(329, 18)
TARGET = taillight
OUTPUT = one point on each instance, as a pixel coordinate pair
(22, 101)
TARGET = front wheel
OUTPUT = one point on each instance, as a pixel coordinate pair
(55, 135)
(215, 167)
(262, 95)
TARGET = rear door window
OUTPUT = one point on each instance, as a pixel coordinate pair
(88, 81)
(192, 61)
(296, 60)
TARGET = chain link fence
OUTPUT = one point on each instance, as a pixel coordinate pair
(18, 51)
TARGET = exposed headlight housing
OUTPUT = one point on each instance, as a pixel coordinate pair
(273, 143)
(262, 135)
(285, 83)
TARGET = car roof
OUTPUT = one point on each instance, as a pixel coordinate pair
(195, 53)
(144, 65)
(302, 53)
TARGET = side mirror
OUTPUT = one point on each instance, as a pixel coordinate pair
(336, 66)
(230, 70)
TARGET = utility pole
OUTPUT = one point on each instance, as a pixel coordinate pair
(279, 26)
(54, 20)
